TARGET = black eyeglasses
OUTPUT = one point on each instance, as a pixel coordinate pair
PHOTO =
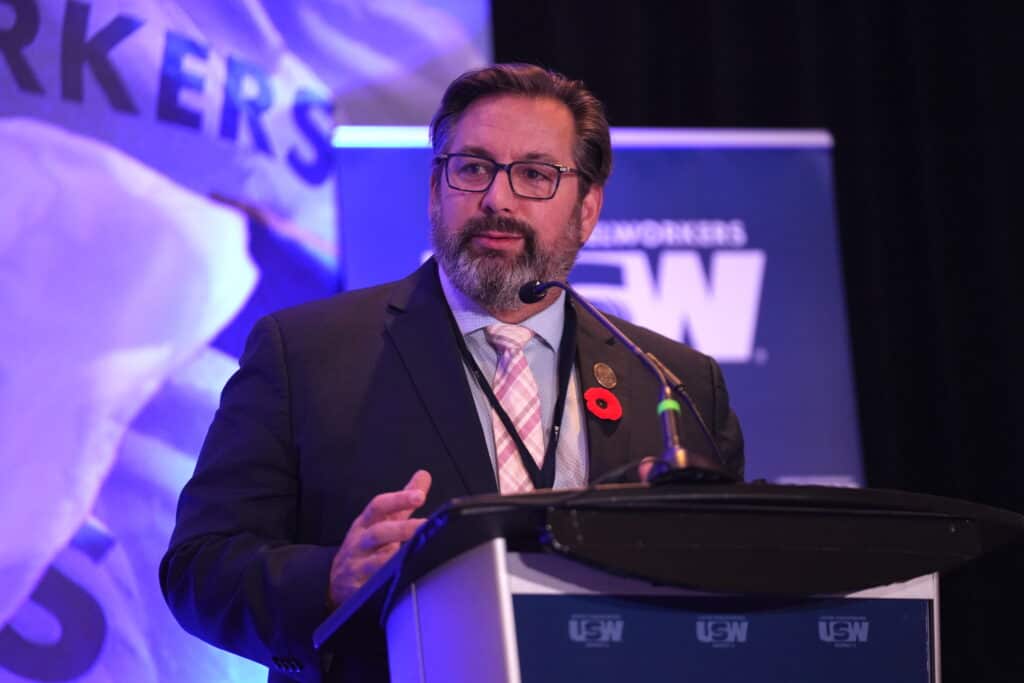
(529, 179)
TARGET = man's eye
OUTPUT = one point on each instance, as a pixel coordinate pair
(535, 174)
(473, 168)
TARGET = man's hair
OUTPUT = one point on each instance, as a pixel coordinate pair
(593, 149)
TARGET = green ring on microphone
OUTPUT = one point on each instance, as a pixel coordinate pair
(668, 404)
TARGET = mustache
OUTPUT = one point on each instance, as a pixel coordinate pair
(480, 225)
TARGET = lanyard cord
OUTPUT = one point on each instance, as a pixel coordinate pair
(544, 477)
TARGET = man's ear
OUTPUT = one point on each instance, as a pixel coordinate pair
(590, 211)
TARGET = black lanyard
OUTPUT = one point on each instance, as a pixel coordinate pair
(543, 477)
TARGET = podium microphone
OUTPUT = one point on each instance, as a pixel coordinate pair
(675, 462)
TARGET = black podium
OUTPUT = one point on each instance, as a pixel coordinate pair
(693, 582)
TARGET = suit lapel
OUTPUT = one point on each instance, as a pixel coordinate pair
(422, 332)
(608, 442)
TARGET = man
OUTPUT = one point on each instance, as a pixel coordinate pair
(349, 415)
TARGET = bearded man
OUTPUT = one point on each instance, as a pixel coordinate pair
(348, 416)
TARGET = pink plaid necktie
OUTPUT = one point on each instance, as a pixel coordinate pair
(516, 390)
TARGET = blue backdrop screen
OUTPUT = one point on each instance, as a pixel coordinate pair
(723, 240)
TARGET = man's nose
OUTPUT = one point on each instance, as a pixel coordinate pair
(499, 197)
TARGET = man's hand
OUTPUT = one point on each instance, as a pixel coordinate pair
(375, 535)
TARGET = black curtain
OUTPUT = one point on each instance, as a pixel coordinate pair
(923, 100)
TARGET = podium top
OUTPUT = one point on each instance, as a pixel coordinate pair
(730, 538)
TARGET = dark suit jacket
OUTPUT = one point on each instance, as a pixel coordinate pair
(336, 401)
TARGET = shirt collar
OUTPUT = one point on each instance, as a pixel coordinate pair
(471, 316)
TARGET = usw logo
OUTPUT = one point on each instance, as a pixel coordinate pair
(596, 630)
(722, 631)
(715, 312)
(843, 631)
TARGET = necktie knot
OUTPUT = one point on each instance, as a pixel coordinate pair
(506, 338)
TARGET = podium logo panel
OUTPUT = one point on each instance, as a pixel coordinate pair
(596, 630)
(725, 639)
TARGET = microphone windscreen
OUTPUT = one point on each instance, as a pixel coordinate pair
(532, 292)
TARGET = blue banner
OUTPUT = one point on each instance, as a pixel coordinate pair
(725, 240)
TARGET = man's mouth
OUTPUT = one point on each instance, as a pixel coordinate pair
(493, 239)
(503, 236)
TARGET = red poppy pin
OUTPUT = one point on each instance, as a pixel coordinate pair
(602, 404)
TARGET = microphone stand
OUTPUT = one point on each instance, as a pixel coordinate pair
(680, 389)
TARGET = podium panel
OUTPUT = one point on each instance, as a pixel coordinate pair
(494, 615)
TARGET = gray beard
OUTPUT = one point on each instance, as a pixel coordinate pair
(491, 278)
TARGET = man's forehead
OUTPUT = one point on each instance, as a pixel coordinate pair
(518, 126)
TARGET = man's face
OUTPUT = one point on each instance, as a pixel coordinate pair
(490, 243)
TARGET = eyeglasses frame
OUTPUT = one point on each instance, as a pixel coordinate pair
(507, 168)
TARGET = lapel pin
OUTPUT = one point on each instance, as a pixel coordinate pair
(605, 376)
(603, 404)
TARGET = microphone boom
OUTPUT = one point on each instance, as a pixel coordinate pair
(675, 463)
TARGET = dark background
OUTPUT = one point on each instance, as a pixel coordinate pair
(924, 102)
